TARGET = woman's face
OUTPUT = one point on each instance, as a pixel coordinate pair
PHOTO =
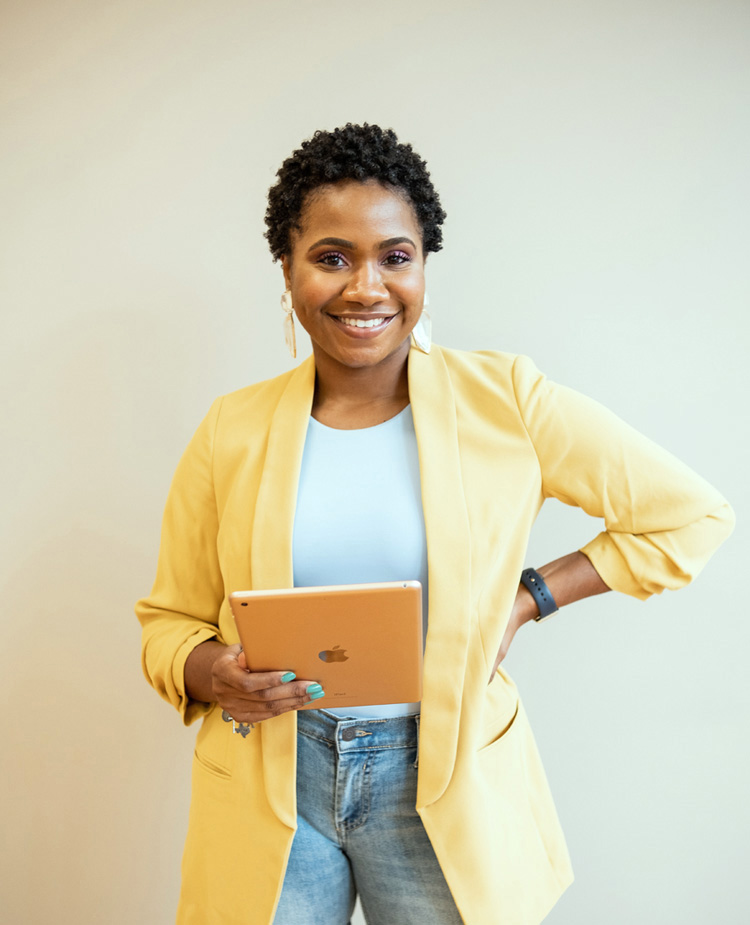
(356, 273)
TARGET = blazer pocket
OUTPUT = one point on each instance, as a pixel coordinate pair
(500, 709)
(213, 752)
(497, 731)
(211, 766)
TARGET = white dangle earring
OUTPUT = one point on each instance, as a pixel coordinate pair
(289, 336)
(421, 335)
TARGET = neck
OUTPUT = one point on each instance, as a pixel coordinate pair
(360, 394)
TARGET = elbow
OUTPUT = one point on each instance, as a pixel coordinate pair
(725, 520)
(685, 552)
(642, 564)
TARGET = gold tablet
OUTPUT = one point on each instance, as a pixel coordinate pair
(362, 643)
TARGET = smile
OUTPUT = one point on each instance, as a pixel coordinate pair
(363, 327)
(364, 322)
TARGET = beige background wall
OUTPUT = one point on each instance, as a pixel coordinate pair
(592, 157)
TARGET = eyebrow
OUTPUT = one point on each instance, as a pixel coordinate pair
(349, 245)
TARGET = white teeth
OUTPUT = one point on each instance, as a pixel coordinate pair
(363, 323)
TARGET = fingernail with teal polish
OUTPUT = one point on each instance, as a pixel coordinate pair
(289, 676)
(316, 694)
(314, 688)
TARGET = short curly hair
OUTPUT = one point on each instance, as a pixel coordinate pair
(352, 152)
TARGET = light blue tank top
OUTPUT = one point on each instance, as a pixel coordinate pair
(359, 516)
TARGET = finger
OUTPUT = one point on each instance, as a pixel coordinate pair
(297, 691)
(253, 683)
(231, 670)
(271, 701)
(498, 662)
(246, 712)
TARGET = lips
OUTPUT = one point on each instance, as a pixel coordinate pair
(362, 325)
(363, 322)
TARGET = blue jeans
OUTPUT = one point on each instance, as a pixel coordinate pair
(358, 830)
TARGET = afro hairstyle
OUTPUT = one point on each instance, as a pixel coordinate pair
(352, 152)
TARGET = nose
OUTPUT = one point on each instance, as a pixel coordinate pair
(366, 286)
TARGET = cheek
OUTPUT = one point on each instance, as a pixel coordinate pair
(413, 292)
(313, 292)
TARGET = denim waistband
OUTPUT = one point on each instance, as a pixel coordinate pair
(349, 735)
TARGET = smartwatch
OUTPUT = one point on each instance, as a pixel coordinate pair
(535, 584)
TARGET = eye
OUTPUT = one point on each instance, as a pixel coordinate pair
(332, 259)
(396, 258)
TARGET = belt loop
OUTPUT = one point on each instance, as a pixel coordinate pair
(416, 763)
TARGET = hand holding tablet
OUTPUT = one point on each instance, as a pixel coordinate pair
(362, 643)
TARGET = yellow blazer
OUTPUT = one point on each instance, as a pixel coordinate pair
(495, 439)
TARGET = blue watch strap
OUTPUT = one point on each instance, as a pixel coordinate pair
(533, 581)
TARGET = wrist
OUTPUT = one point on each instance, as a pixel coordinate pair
(524, 607)
(199, 670)
(535, 584)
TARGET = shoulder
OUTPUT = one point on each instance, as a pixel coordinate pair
(254, 405)
(242, 418)
(490, 370)
(266, 392)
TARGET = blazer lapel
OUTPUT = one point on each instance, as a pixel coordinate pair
(448, 552)
(448, 563)
(273, 526)
(271, 562)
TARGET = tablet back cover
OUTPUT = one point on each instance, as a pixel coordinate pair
(362, 643)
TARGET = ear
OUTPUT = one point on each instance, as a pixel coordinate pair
(286, 266)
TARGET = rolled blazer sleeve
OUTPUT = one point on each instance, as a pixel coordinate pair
(662, 521)
(183, 608)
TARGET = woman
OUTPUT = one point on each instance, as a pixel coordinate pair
(443, 815)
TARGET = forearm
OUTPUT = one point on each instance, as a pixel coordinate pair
(198, 670)
(569, 579)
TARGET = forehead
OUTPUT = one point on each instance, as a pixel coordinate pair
(351, 209)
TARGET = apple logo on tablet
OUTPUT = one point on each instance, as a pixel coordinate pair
(336, 654)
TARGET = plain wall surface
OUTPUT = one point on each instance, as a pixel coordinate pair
(592, 158)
